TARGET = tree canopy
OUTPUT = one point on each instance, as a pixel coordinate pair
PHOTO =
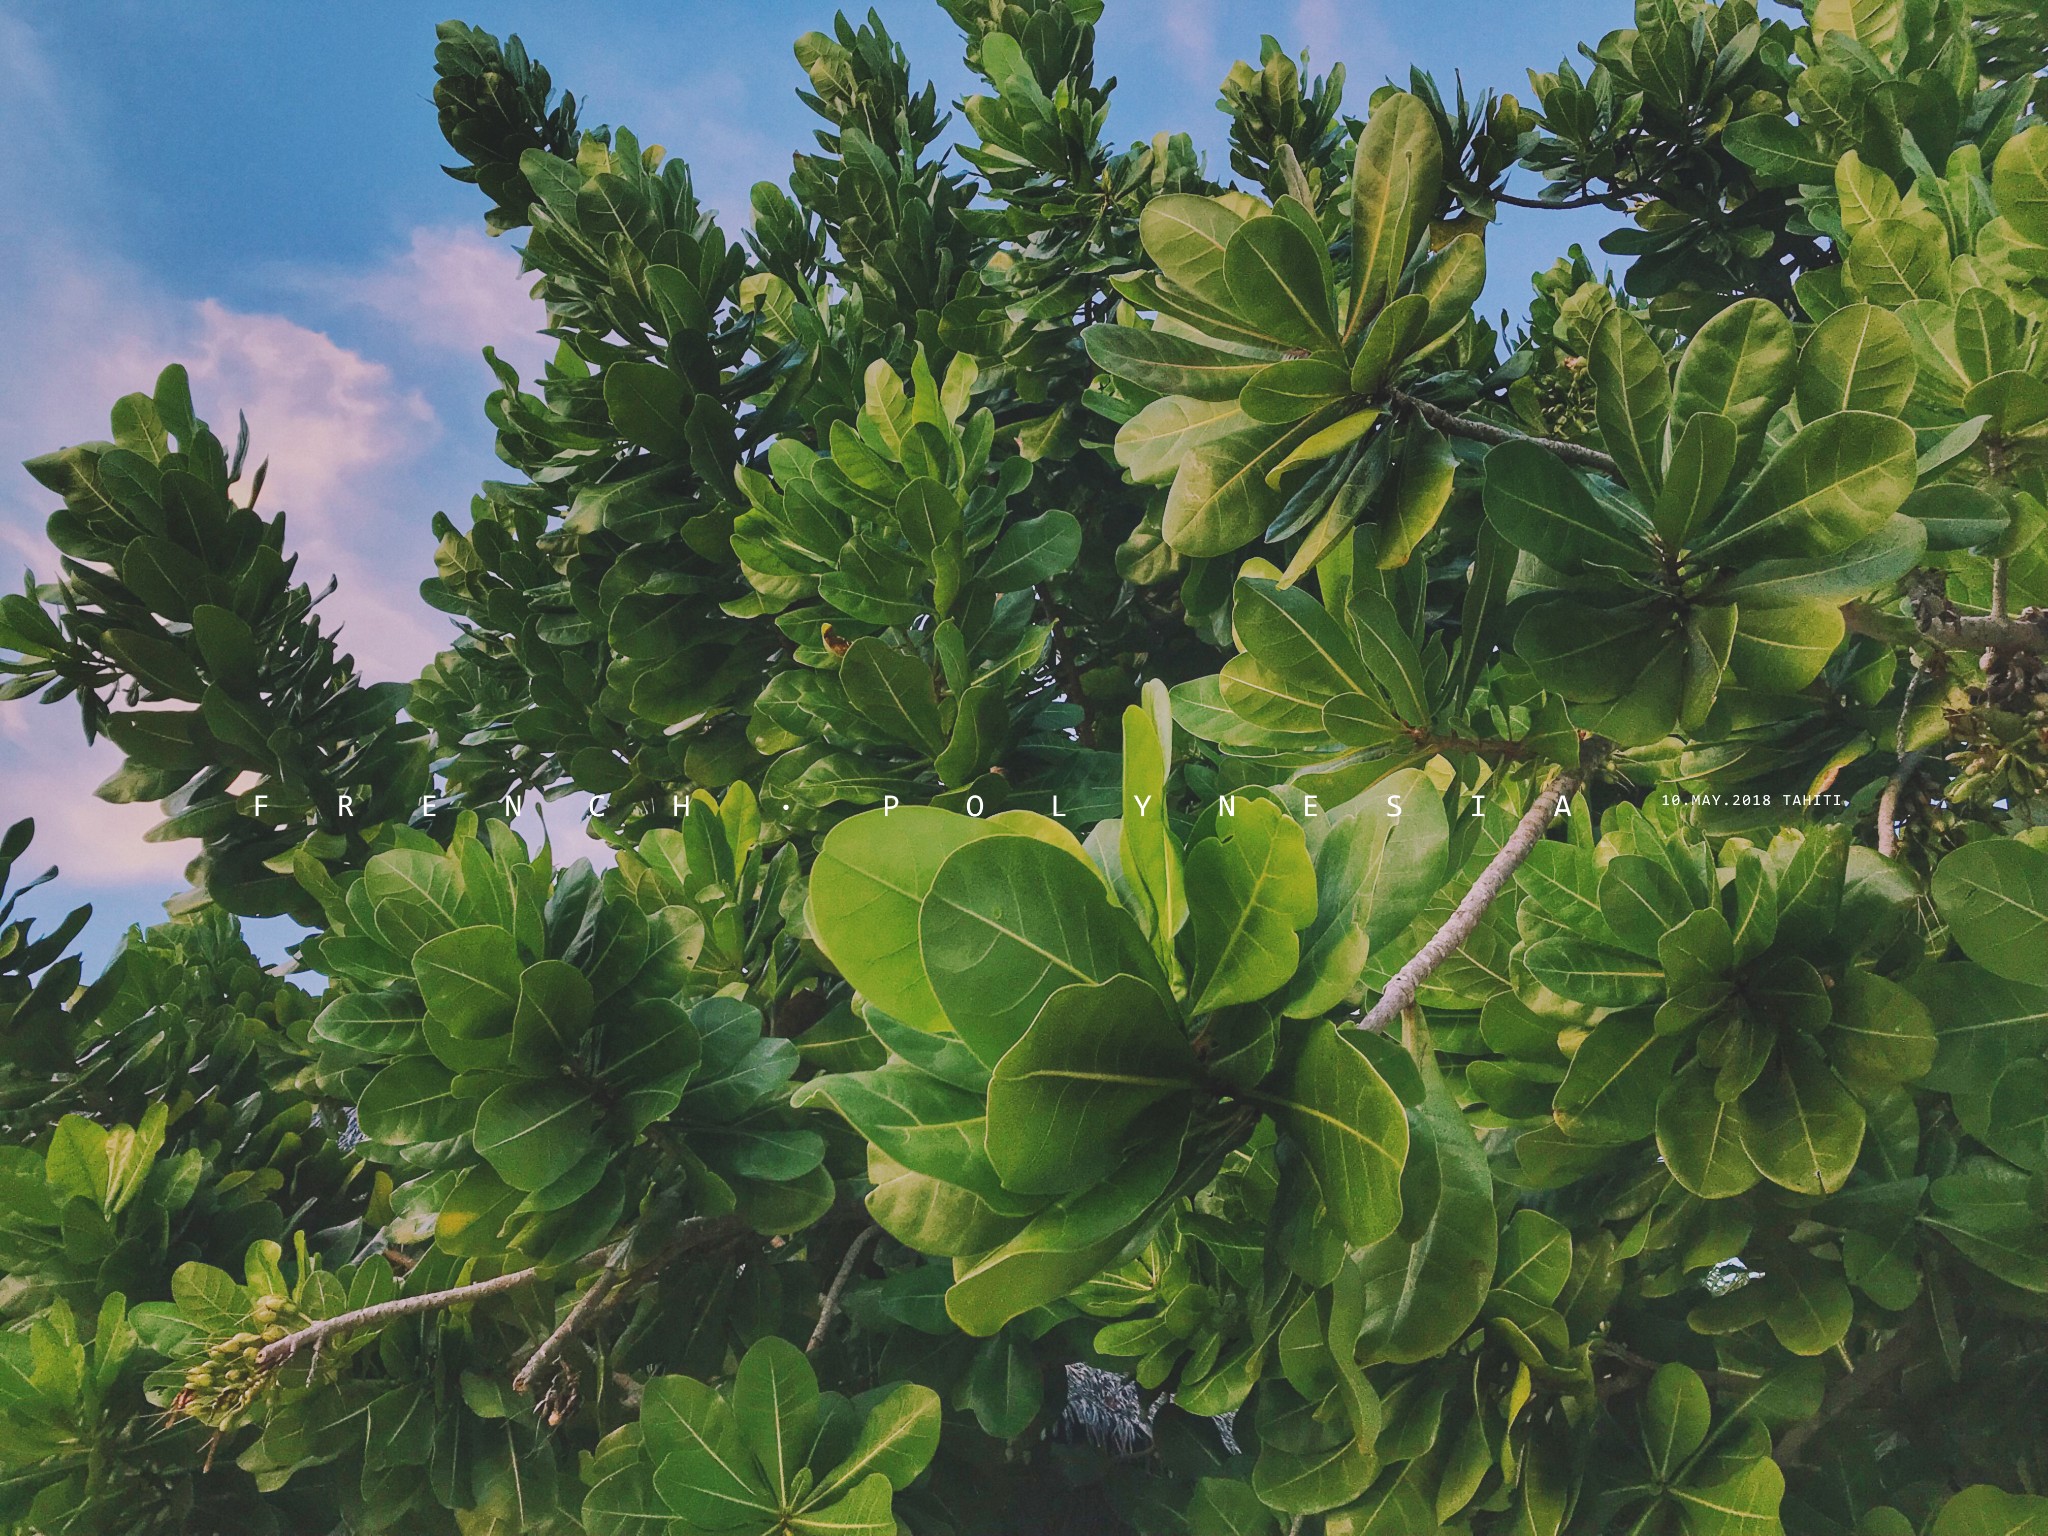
(1234, 902)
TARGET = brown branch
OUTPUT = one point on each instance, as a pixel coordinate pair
(316, 1334)
(1492, 432)
(1579, 200)
(586, 1307)
(1492, 880)
(1878, 1369)
(828, 1308)
(1968, 632)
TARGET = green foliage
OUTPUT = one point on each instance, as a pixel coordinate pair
(1474, 902)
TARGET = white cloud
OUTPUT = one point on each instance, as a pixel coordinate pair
(453, 289)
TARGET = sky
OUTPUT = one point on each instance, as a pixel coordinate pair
(254, 190)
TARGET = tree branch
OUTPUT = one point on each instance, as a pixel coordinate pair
(829, 1307)
(1492, 880)
(2028, 632)
(316, 1334)
(587, 1306)
(1492, 432)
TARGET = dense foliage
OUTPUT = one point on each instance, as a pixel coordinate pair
(1234, 902)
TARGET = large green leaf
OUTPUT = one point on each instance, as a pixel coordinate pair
(1351, 1129)
(1167, 364)
(1994, 897)
(1541, 505)
(470, 980)
(930, 1127)
(1609, 1094)
(1419, 1295)
(1277, 283)
(702, 1468)
(1698, 1137)
(1982, 1510)
(1009, 921)
(1858, 359)
(1187, 236)
(1063, 1099)
(872, 874)
(533, 1132)
(1799, 1124)
(895, 691)
(1740, 365)
(1251, 888)
(775, 1409)
(1395, 182)
(897, 1440)
(1837, 481)
(1632, 399)
(1220, 498)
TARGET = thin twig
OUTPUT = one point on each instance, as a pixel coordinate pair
(829, 1307)
(1492, 432)
(2001, 585)
(1492, 880)
(1888, 802)
(586, 1307)
(315, 1334)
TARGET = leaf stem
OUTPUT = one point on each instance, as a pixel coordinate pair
(1478, 431)
(1400, 993)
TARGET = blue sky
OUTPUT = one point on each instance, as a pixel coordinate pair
(254, 189)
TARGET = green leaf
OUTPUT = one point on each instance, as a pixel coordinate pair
(1009, 921)
(1423, 1286)
(1535, 1258)
(1743, 1505)
(1251, 888)
(775, 1410)
(1590, 972)
(1701, 462)
(553, 1015)
(897, 1441)
(1223, 1507)
(1781, 153)
(1798, 1124)
(1641, 901)
(1395, 182)
(1220, 498)
(1004, 1388)
(1698, 1137)
(1610, 1091)
(1389, 654)
(1352, 1131)
(1186, 236)
(1154, 444)
(1420, 491)
(928, 514)
(470, 980)
(872, 874)
(1540, 504)
(701, 1466)
(1857, 359)
(1781, 648)
(409, 1103)
(1676, 1416)
(535, 1131)
(1837, 481)
(1291, 389)
(1896, 261)
(1277, 284)
(1632, 399)
(649, 404)
(894, 690)
(1066, 1243)
(1167, 364)
(1880, 1032)
(1063, 1099)
(1740, 364)
(1393, 334)
(1982, 1510)
(1994, 897)
(863, 1512)
(1032, 550)
(1150, 856)
(1957, 516)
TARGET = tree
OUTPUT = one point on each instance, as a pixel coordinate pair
(1465, 910)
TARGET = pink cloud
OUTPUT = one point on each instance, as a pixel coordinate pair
(459, 290)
